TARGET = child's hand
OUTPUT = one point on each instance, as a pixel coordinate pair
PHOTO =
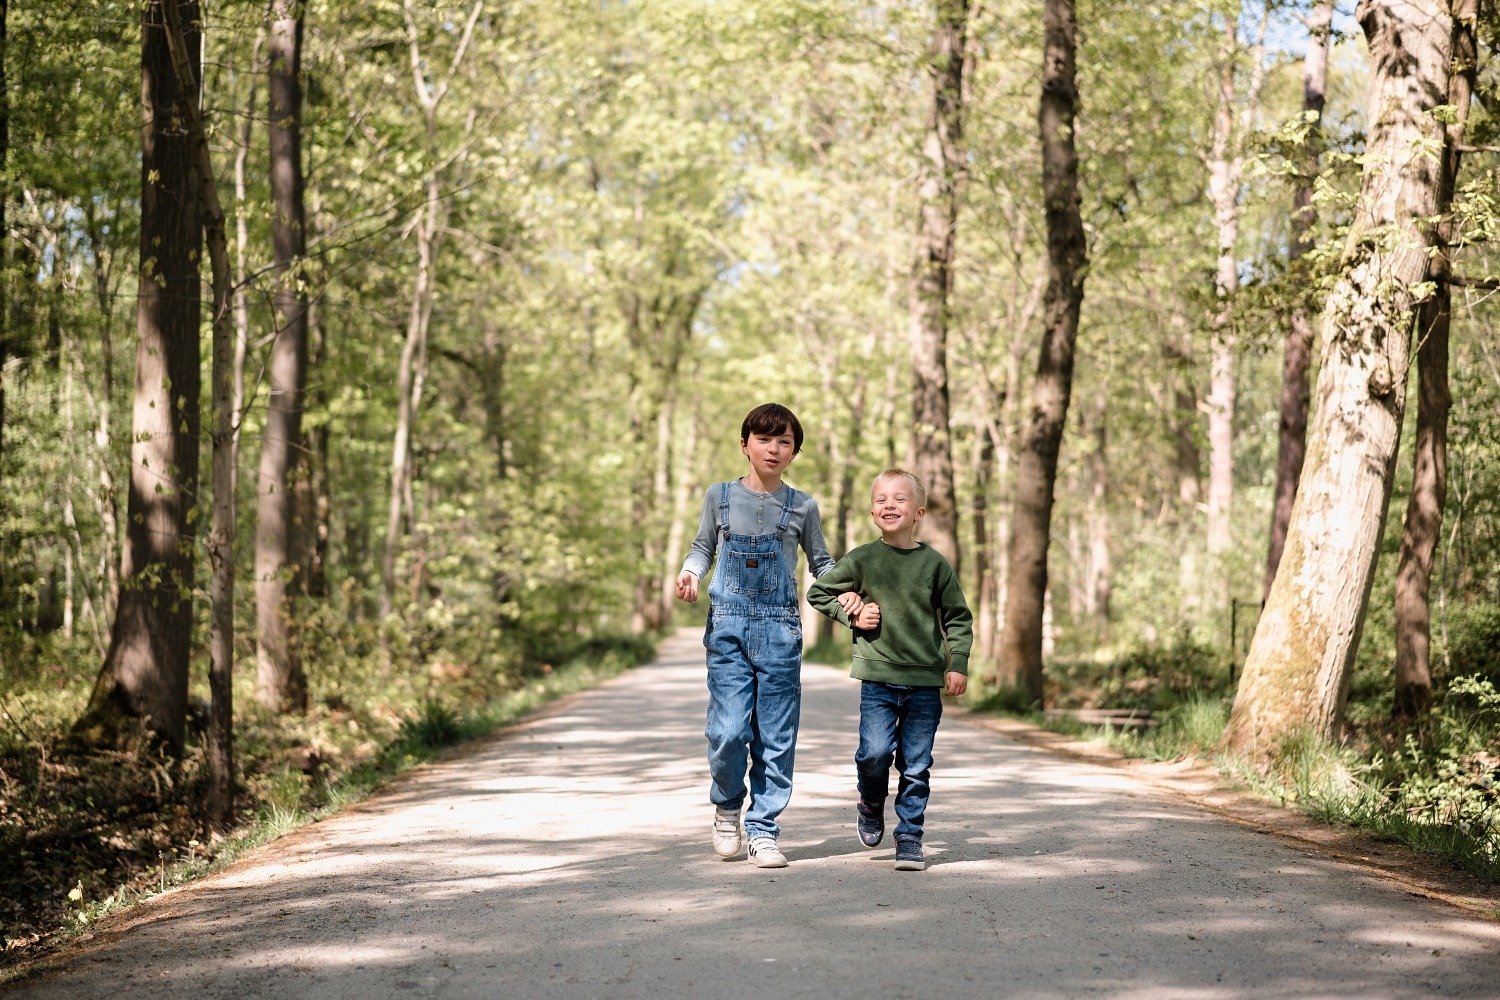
(957, 683)
(687, 587)
(868, 617)
(851, 603)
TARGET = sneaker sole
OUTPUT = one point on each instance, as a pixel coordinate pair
(768, 863)
(911, 866)
(729, 856)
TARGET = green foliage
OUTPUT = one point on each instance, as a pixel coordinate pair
(1151, 677)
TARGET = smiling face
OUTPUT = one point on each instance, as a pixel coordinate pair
(897, 508)
(769, 456)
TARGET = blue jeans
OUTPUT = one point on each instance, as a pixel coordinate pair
(754, 703)
(897, 725)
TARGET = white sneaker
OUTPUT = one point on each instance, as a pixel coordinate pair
(726, 832)
(765, 854)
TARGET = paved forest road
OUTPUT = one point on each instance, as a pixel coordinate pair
(570, 859)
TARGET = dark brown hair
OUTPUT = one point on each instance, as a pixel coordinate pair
(772, 418)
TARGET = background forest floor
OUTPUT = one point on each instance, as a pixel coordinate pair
(86, 834)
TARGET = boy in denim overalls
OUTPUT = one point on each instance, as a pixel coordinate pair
(754, 632)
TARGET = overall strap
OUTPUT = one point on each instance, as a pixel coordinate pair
(724, 508)
(786, 511)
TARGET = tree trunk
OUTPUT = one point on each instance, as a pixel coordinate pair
(1297, 354)
(106, 503)
(1297, 672)
(1226, 167)
(222, 524)
(1099, 564)
(1424, 509)
(1186, 462)
(940, 175)
(4, 220)
(428, 229)
(145, 672)
(984, 547)
(1020, 664)
(280, 684)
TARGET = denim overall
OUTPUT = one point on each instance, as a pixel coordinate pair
(754, 643)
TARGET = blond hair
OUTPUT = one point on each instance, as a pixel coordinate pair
(918, 491)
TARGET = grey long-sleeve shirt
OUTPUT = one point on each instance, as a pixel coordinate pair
(752, 513)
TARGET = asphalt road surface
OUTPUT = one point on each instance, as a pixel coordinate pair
(570, 859)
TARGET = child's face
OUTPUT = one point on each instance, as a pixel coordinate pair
(770, 454)
(894, 508)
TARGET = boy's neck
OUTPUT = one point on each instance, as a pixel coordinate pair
(900, 539)
(751, 481)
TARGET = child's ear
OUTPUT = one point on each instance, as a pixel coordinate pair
(921, 513)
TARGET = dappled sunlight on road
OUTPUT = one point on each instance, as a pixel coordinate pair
(569, 858)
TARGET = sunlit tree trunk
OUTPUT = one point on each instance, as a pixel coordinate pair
(1297, 672)
(940, 176)
(1424, 509)
(145, 672)
(1187, 460)
(1297, 354)
(1225, 167)
(280, 684)
(428, 229)
(1020, 662)
(222, 522)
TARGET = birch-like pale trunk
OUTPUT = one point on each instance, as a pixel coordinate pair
(427, 232)
(1296, 675)
(1423, 525)
(940, 176)
(280, 683)
(1225, 169)
(1291, 448)
(1024, 636)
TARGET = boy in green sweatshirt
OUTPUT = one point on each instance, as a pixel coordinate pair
(911, 644)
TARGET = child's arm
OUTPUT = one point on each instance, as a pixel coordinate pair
(958, 627)
(830, 593)
(819, 560)
(701, 553)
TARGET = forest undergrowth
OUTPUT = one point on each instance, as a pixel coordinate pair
(1430, 783)
(85, 833)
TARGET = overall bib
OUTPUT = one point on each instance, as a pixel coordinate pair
(754, 643)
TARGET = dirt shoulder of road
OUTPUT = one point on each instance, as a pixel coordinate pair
(1208, 788)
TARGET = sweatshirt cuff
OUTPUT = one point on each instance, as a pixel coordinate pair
(958, 663)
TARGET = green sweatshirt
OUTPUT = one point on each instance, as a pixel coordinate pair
(925, 626)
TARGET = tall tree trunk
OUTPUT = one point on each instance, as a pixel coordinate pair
(984, 546)
(222, 523)
(1291, 445)
(428, 229)
(1424, 509)
(280, 684)
(1297, 672)
(1225, 167)
(1099, 564)
(1187, 460)
(940, 176)
(1020, 664)
(145, 672)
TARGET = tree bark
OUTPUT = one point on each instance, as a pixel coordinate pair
(1020, 663)
(222, 524)
(428, 229)
(1226, 167)
(1099, 563)
(1297, 672)
(145, 672)
(280, 683)
(1297, 354)
(940, 177)
(1424, 508)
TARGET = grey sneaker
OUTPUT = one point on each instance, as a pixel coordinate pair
(765, 854)
(909, 855)
(726, 832)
